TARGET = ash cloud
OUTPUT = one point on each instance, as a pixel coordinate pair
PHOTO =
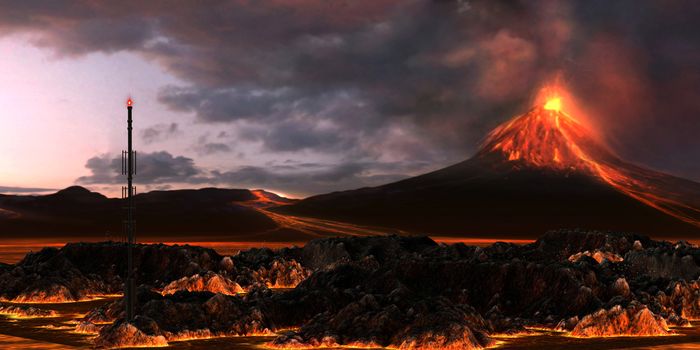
(407, 82)
(205, 147)
(160, 132)
(213, 148)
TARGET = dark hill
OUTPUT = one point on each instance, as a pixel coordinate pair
(473, 199)
(78, 212)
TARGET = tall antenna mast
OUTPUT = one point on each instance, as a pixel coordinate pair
(129, 169)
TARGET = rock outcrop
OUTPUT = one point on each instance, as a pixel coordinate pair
(378, 321)
(185, 315)
(81, 271)
(123, 334)
(209, 282)
(634, 320)
(598, 255)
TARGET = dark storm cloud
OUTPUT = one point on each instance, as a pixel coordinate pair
(222, 105)
(205, 147)
(340, 88)
(78, 27)
(152, 168)
(213, 148)
(401, 81)
(160, 132)
(159, 169)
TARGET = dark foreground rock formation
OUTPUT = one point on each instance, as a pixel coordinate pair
(402, 292)
(81, 271)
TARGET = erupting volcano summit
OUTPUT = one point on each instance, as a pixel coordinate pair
(542, 170)
(546, 137)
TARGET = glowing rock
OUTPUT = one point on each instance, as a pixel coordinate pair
(210, 282)
(598, 255)
(633, 321)
(123, 334)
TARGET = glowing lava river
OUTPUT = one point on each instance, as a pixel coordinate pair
(58, 332)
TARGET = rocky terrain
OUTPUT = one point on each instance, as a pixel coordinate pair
(402, 292)
(81, 271)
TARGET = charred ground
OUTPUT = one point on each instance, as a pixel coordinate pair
(407, 292)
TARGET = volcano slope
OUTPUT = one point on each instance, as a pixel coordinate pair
(400, 292)
(539, 171)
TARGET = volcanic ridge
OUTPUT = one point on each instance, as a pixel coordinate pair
(538, 171)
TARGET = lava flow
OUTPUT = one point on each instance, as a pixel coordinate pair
(548, 137)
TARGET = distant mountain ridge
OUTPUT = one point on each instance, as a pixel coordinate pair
(78, 212)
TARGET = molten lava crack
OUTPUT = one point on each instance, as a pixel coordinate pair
(23, 311)
(597, 255)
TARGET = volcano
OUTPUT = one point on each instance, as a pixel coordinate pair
(539, 171)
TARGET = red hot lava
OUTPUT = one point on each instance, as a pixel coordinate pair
(548, 137)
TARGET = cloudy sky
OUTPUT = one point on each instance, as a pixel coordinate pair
(310, 96)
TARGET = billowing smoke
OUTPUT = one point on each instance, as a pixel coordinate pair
(402, 81)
